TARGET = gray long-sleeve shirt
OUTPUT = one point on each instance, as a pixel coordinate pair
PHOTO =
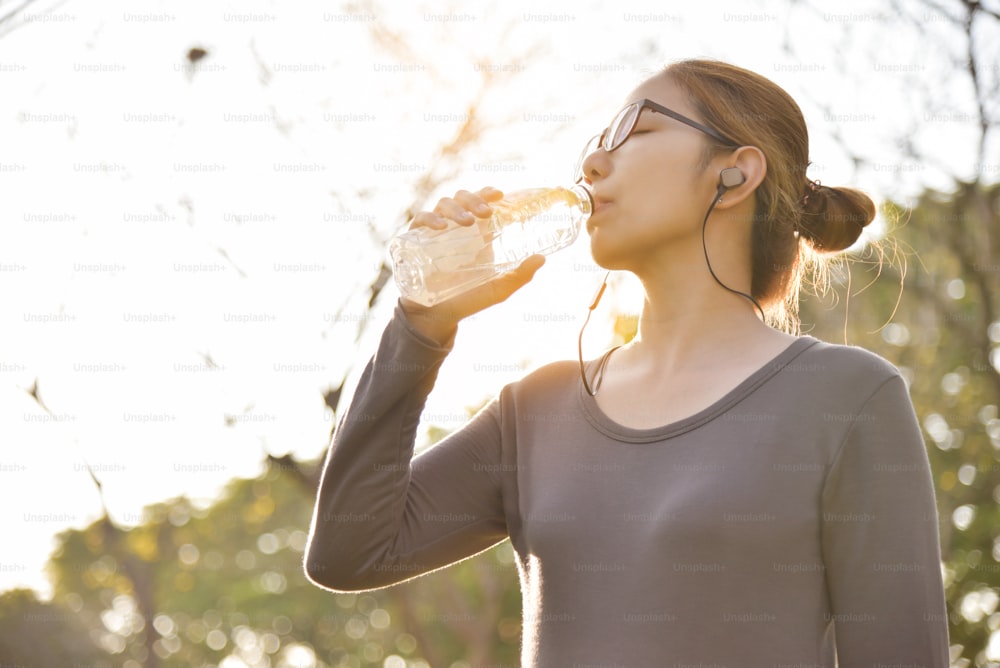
(791, 522)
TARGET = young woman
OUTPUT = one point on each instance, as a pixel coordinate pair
(720, 491)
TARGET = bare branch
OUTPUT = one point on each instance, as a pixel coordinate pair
(34, 393)
(14, 12)
(225, 255)
(7, 24)
(447, 159)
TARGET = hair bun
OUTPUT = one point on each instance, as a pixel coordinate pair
(833, 218)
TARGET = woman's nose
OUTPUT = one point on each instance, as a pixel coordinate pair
(596, 165)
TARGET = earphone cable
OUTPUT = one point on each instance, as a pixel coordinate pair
(704, 246)
(579, 342)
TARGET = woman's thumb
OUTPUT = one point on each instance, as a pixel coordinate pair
(512, 281)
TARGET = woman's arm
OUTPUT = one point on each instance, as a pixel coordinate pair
(880, 540)
(379, 518)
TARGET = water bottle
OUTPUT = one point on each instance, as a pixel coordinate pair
(432, 265)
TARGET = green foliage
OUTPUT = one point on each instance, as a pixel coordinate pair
(943, 336)
(35, 634)
(191, 586)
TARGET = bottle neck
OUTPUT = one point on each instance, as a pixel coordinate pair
(586, 198)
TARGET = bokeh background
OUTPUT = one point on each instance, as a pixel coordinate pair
(195, 205)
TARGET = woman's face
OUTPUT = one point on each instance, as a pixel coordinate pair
(652, 192)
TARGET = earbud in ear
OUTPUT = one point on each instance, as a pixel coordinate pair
(730, 177)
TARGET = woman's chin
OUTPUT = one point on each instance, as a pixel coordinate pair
(608, 257)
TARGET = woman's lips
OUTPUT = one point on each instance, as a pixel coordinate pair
(600, 204)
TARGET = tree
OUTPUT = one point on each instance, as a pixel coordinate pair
(936, 321)
(35, 634)
(931, 307)
(227, 581)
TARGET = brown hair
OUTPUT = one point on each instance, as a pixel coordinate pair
(797, 222)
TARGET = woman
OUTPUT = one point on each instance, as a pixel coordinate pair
(717, 492)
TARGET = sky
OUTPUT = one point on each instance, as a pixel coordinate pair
(185, 250)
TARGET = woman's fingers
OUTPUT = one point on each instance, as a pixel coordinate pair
(490, 194)
(452, 209)
(462, 209)
(478, 203)
(428, 219)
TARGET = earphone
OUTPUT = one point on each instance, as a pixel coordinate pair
(730, 177)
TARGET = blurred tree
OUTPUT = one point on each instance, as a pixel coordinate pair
(945, 337)
(35, 634)
(227, 581)
(932, 306)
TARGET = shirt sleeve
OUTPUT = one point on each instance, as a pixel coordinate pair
(880, 540)
(382, 516)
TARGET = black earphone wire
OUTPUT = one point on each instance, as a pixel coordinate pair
(599, 375)
(704, 247)
(579, 342)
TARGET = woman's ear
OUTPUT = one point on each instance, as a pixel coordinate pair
(745, 169)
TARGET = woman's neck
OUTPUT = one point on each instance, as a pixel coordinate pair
(678, 325)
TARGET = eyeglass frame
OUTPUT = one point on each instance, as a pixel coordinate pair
(605, 138)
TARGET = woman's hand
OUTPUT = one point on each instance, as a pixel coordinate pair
(438, 322)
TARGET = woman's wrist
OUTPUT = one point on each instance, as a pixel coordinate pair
(433, 323)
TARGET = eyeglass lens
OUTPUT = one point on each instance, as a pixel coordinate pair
(615, 135)
(621, 127)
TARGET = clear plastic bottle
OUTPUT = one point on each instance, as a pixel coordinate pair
(432, 265)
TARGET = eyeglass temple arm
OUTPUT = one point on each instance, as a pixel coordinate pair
(688, 121)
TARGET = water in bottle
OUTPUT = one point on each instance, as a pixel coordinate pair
(432, 265)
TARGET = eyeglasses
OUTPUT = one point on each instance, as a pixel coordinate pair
(624, 123)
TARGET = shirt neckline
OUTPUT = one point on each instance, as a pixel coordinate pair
(620, 432)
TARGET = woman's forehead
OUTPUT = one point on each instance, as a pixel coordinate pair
(663, 90)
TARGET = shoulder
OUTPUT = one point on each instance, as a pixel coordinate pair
(851, 368)
(853, 357)
(547, 380)
(552, 373)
